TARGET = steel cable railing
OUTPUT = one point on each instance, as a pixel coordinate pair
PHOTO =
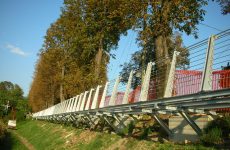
(187, 79)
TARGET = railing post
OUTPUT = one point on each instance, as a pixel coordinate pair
(69, 104)
(79, 102)
(59, 109)
(95, 99)
(145, 85)
(66, 106)
(52, 110)
(72, 103)
(126, 96)
(63, 106)
(206, 83)
(89, 99)
(103, 96)
(114, 93)
(169, 86)
(76, 103)
(55, 108)
(83, 101)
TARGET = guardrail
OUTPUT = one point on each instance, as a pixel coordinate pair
(198, 81)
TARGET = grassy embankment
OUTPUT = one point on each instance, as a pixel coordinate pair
(44, 135)
(11, 142)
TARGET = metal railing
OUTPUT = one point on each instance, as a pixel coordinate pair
(198, 68)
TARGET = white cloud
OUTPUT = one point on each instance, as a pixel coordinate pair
(16, 50)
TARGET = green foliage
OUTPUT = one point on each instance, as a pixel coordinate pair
(2, 130)
(144, 134)
(11, 97)
(222, 123)
(45, 135)
(174, 43)
(21, 115)
(76, 50)
(131, 127)
(225, 6)
(217, 131)
(10, 92)
(213, 136)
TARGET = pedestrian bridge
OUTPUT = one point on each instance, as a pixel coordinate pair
(199, 87)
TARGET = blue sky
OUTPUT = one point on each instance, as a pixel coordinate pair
(23, 25)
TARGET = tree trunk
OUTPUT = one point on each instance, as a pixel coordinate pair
(162, 64)
(53, 93)
(13, 109)
(61, 85)
(98, 59)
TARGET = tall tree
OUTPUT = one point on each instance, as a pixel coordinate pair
(174, 43)
(156, 21)
(10, 94)
(105, 22)
(225, 6)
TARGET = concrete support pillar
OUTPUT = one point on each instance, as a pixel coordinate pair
(89, 100)
(83, 101)
(169, 86)
(145, 84)
(95, 99)
(126, 96)
(114, 93)
(206, 83)
(103, 96)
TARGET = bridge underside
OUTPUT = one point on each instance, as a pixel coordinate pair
(118, 117)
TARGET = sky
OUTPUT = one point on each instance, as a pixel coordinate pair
(23, 25)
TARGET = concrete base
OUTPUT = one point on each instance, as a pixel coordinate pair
(182, 131)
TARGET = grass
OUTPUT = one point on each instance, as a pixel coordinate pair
(40, 135)
(45, 135)
(11, 142)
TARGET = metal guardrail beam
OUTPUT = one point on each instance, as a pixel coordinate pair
(191, 100)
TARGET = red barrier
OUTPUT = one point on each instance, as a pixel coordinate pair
(185, 82)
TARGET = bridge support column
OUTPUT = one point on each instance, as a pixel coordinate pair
(162, 124)
(71, 118)
(109, 122)
(190, 121)
(120, 120)
(134, 118)
(91, 122)
(63, 117)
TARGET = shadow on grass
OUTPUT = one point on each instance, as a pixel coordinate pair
(7, 142)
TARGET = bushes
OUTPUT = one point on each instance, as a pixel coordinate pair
(217, 131)
(21, 115)
(213, 136)
(2, 130)
(131, 127)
